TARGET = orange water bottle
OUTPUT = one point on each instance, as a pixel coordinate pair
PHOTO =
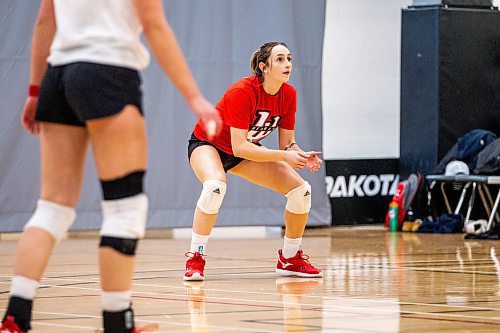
(393, 216)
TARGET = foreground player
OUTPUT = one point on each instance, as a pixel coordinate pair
(91, 93)
(251, 109)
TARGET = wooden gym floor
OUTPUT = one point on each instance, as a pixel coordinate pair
(374, 281)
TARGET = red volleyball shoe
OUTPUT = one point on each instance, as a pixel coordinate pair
(194, 267)
(297, 265)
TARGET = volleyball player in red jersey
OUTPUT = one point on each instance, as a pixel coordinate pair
(251, 109)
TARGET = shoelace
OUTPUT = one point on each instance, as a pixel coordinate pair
(194, 254)
(196, 260)
(305, 258)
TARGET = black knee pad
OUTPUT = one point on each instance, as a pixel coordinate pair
(126, 246)
(124, 187)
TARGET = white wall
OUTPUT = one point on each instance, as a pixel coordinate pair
(361, 75)
(361, 78)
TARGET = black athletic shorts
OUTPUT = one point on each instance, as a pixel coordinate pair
(74, 93)
(228, 161)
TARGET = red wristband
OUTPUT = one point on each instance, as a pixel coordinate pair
(33, 90)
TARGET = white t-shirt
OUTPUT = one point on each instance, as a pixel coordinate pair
(98, 31)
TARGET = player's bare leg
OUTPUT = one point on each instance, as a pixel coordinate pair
(119, 146)
(120, 149)
(63, 151)
(206, 165)
(280, 177)
(283, 179)
(208, 168)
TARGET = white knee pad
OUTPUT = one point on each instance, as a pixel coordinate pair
(211, 196)
(125, 218)
(53, 218)
(299, 199)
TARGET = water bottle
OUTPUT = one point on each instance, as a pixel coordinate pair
(393, 216)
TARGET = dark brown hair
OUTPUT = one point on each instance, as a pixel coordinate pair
(262, 55)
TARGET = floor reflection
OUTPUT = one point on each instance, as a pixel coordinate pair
(377, 315)
(195, 291)
(396, 280)
(292, 292)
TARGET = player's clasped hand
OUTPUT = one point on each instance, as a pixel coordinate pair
(296, 159)
(313, 161)
(300, 159)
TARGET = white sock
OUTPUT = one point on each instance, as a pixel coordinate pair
(291, 246)
(23, 287)
(199, 243)
(115, 301)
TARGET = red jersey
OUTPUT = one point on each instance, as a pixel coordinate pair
(246, 105)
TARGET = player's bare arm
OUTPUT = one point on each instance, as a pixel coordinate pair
(43, 35)
(163, 43)
(247, 150)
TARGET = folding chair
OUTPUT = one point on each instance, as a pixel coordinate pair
(480, 183)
